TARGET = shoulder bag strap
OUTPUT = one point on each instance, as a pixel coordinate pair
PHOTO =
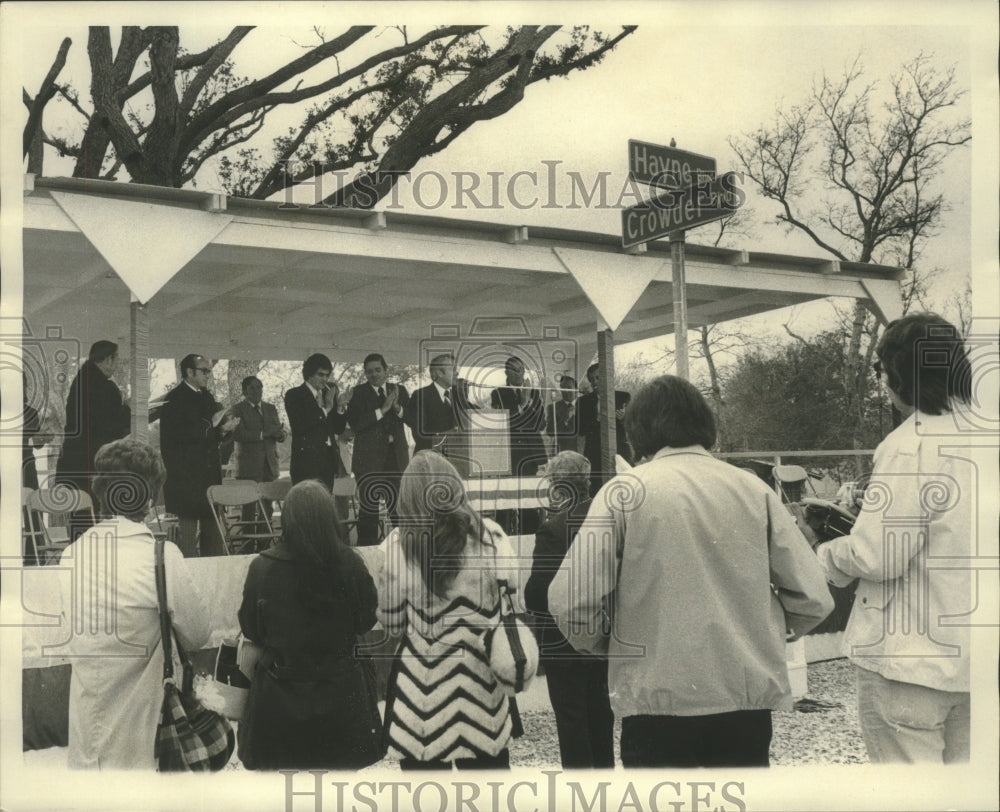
(166, 627)
(161, 598)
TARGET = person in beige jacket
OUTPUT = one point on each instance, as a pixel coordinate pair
(691, 575)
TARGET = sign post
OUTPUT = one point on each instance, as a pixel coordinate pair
(691, 195)
(679, 289)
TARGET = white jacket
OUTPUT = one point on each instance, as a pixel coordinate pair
(913, 549)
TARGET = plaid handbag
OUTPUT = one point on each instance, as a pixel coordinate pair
(190, 737)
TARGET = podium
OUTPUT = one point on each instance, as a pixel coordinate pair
(482, 447)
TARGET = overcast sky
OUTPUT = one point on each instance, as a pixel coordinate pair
(698, 73)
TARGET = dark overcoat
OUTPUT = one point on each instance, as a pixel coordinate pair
(313, 702)
(190, 448)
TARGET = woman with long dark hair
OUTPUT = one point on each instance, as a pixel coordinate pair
(312, 702)
(439, 591)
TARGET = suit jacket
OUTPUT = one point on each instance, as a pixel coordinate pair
(372, 436)
(312, 458)
(590, 429)
(562, 425)
(428, 417)
(256, 441)
(95, 415)
(527, 451)
(190, 448)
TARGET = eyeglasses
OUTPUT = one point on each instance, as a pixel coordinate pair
(203, 369)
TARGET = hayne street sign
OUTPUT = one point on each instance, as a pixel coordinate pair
(667, 167)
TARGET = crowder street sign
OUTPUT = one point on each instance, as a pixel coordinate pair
(667, 167)
(681, 209)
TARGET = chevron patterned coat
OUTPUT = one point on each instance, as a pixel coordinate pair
(445, 702)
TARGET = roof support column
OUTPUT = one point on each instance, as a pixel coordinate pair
(606, 398)
(139, 373)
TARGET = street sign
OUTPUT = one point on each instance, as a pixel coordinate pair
(680, 210)
(667, 167)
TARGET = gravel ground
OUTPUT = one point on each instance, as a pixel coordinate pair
(824, 730)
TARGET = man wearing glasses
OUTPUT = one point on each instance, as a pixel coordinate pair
(191, 424)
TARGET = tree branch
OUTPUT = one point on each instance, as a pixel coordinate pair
(44, 95)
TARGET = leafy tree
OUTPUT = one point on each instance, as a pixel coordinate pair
(373, 99)
(793, 398)
(856, 172)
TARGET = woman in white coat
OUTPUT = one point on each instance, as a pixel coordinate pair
(111, 610)
(908, 634)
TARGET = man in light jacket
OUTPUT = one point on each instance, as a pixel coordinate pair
(691, 575)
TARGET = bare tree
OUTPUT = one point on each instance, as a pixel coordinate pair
(381, 114)
(857, 173)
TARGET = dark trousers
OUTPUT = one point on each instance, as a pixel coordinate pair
(384, 484)
(578, 691)
(200, 536)
(501, 761)
(735, 739)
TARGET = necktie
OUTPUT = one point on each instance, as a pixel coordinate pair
(381, 396)
(319, 398)
(447, 398)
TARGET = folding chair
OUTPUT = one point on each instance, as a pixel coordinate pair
(240, 535)
(275, 491)
(45, 514)
(791, 481)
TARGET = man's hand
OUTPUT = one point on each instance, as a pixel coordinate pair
(343, 398)
(391, 394)
(329, 396)
(228, 424)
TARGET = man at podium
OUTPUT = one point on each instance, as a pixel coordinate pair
(438, 409)
(527, 418)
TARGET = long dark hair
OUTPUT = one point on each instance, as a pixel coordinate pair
(310, 527)
(436, 520)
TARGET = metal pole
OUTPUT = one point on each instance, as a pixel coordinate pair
(679, 292)
(606, 396)
(139, 374)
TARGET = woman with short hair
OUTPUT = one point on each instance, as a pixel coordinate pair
(700, 572)
(116, 690)
(438, 591)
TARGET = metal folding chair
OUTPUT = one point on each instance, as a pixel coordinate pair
(275, 491)
(240, 535)
(44, 519)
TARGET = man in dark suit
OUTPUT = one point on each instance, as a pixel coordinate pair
(191, 424)
(256, 438)
(526, 419)
(95, 415)
(381, 453)
(561, 418)
(590, 428)
(316, 414)
(438, 409)
(577, 683)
